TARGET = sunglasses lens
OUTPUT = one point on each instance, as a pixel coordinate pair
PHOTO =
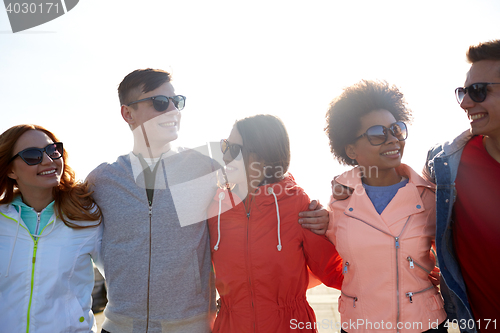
(179, 101)
(160, 103)
(477, 92)
(54, 151)
(32, 156)
(377, 135)
(460, 94)
(223, 146)
(399, 130)
(235, 151)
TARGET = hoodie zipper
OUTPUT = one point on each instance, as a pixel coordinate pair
(249, 266)
(150, 214)
(33, 264)
(397, 246)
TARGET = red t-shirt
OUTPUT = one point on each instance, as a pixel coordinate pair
(477, 232)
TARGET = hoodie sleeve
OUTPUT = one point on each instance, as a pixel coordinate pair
(322, 258)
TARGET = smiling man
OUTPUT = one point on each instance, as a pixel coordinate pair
(158, 269)
(467, 174)
(155, 248)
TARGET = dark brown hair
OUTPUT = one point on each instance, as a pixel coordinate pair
(73, 199)
(266, 136)
(484, 51)
(139, 82)
(344, 115)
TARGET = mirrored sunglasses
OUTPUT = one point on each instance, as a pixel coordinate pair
(33, 156)
(378, 134)
(160, 102)
(234, 149)
(477, 92)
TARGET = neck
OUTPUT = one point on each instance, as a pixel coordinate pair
(37, 200)
(492, 146)
(386, 177)
(147, 149)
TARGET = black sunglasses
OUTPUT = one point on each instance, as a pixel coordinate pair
(477, 92)
(234, 149)
(161, 102)
(33, 156)
(378, 134)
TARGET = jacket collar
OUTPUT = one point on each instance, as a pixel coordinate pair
(458, 143)
(406, 203)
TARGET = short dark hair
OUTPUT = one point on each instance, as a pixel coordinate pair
(141, 81)
(344, 115)
(484, 51)
(266, 136)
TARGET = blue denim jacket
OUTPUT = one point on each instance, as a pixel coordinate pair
(441, 168)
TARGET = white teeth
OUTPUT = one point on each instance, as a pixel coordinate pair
(169, 124)
(476, 116)
(228, 168)
(392, 152)
(48, 172)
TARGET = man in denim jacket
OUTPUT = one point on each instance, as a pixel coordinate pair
(466, 172)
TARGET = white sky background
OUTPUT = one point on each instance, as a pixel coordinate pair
(233, 59)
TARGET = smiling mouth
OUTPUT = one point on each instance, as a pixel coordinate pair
(48, 172)
(392, 152)
(168, 124)
(476, 116)
(230, 168)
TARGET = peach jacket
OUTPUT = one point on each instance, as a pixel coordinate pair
(387, 258)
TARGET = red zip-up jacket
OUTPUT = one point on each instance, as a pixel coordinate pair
(261, 263)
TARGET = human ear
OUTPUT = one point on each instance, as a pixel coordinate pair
(350, 150)
(127, 114)
(12, 175)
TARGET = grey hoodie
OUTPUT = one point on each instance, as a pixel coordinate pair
(158, 272)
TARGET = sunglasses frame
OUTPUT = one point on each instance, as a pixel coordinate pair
(386, 132)
(168, 101)
(228, 147)
(41, 150)
(465, 91)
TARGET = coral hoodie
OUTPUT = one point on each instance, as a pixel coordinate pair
(261, 261)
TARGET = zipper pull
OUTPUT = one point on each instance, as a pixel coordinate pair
(397, 242)
(150, 208)
(248, 215)
(410, 295)
(345, 267)
(354, 300)
(411, 262)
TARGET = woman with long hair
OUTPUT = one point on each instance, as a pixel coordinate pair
(262, 257)
(50, 230)
(385, 230)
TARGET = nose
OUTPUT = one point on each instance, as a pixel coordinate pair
(467, 102)
(171, 106)
(391, 138)
(46, 159)
(226, 157)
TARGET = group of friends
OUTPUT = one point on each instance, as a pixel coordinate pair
(167, 226)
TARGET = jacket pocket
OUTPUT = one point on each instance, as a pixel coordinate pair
(345, 301)
(414, 264)
(435, 302)
(77, 321)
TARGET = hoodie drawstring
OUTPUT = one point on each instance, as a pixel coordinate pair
(221, 197)
(14, 244)
(270, 191)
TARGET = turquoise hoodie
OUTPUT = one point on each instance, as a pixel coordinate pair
(35, 221)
